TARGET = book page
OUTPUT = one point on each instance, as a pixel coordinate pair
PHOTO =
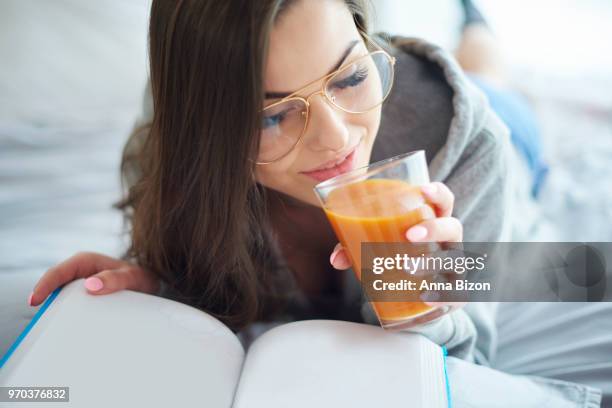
(127, 349)
(325, 363)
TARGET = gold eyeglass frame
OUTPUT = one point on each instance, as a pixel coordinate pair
(330, 99)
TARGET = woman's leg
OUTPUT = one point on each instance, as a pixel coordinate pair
(478, 54)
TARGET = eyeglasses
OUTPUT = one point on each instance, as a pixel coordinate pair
(357, 87)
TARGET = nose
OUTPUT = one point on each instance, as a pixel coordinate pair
(326, 128)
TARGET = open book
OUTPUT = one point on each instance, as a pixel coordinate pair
(130, 349)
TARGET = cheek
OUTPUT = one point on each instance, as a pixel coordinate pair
(366, 123)
(275, 176)
(369, 123)
(373, 120)
(264, 176)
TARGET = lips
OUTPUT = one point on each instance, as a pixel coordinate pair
(333, 168)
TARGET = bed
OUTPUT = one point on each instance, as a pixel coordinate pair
(71, 84)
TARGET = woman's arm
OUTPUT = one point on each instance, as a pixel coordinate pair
(481, 181)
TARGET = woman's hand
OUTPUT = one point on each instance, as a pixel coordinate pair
(443, 228)
(104, 275)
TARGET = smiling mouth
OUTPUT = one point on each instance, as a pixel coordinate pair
(333, 169)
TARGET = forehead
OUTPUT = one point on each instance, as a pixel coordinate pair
(306, 42)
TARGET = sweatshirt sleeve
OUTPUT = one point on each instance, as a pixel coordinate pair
(479, 181)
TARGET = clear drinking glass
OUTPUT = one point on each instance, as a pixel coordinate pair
(379, 203)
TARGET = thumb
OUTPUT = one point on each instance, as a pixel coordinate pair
(109, 281)
(339, 258)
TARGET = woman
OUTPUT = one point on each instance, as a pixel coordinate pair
(220, 202)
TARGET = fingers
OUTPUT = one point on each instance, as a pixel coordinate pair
(127, 277)
(446, 229)
(80, 265)
(440, 196)
(109, 281)
(339, 258)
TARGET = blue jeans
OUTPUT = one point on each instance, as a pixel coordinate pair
(516, 113)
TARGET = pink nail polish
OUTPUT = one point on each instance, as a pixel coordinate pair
(345, 261)
(416, 233)
(30, 298)
(332, 257)
(429, 189)
(94, 284)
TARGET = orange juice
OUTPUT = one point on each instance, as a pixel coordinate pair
(377, 210)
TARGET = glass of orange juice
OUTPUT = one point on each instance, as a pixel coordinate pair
(379, 203)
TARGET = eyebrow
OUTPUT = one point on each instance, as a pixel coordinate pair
(279, 95)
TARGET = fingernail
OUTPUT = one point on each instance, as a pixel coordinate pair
(30, 299)
(94, 284)
(332, 257)
(343, 261)
(416, 233)
(429, 189)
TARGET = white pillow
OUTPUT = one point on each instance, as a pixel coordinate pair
(71, 61)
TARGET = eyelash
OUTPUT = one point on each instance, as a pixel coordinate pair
(358, 77)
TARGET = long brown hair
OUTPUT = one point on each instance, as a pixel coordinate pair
(197, 217)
